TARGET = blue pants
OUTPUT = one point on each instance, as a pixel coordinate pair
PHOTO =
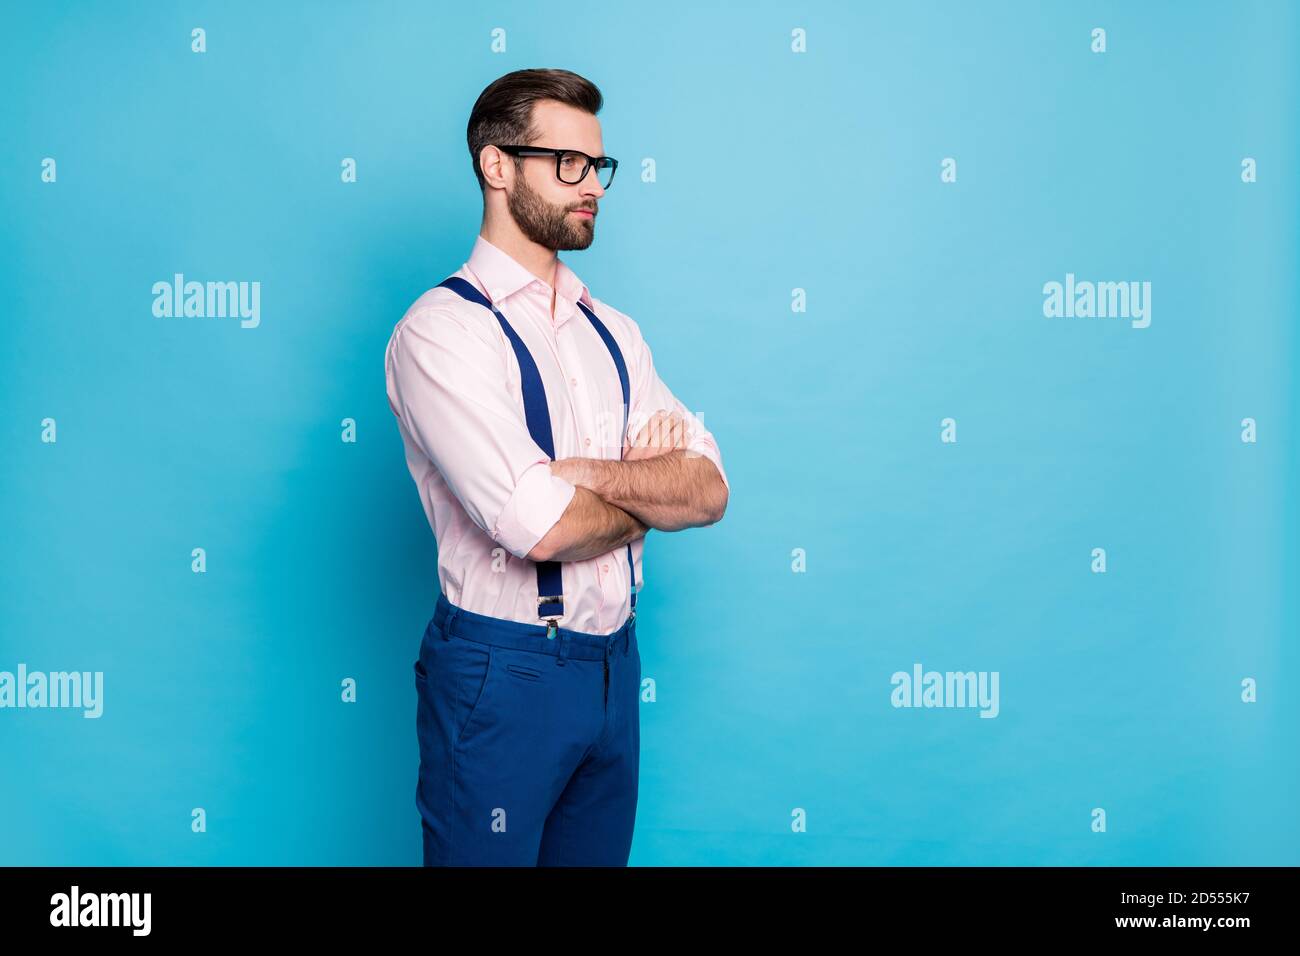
(529, 746)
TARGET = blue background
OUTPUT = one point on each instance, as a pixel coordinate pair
(776, 171)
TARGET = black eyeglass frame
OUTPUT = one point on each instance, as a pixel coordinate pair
(603, 161)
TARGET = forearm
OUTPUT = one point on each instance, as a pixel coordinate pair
(668, 492)
(589, 527)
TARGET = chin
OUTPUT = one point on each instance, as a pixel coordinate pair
(579, 242)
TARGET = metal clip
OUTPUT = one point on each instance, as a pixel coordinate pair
(551, 626)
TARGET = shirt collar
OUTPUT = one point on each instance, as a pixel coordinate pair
(502, 276)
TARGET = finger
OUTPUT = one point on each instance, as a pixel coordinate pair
(647, 432)
(676, 428)
(668, 434)
(659, 431)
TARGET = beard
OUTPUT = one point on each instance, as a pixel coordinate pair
(547, 224)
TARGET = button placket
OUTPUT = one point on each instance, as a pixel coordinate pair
(582, 419)
(552, 337)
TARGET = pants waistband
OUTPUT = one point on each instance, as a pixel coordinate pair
(579, 645)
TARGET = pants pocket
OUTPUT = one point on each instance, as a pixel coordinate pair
(453, 675)
(524, 673)
(471, 664)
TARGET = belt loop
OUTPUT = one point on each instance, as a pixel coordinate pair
(451, 620)
(564, 646)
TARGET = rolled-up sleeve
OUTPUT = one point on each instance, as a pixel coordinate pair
(650, 394)
(446, 384)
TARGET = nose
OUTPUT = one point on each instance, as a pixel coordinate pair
(591, 185)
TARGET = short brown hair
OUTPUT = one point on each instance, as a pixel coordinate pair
(503, 113)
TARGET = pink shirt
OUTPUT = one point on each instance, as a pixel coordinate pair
(486, 487)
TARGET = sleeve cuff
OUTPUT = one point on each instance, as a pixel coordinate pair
(536, 504)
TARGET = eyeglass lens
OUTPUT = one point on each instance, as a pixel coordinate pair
(573, 165)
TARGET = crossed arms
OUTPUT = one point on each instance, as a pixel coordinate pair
(658, 484)
(445, 369)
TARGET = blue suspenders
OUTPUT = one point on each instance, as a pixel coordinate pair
(550, 596)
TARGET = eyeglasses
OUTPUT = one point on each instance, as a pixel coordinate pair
(571, 165)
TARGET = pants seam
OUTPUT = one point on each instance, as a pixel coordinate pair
(455, 757)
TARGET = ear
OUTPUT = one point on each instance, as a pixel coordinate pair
(493, 162)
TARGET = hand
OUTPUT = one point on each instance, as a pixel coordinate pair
(664, 432)
(571, 470)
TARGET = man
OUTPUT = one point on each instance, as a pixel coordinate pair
(544, 447)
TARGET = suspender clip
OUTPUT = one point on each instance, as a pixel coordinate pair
(551, 626)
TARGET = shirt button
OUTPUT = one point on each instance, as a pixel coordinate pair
(604, 567)
(573, 381)
(586, 441)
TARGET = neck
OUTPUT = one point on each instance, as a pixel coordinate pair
(537, 259)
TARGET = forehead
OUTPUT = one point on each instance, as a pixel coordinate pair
(566, 127)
